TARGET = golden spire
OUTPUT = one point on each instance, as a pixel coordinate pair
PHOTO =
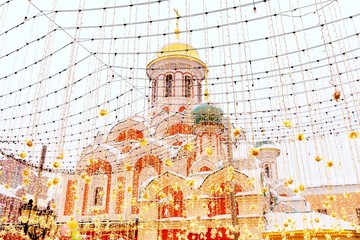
(206, 92)
(177, 29)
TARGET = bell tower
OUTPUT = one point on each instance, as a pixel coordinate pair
(267, 156)
(176, 76)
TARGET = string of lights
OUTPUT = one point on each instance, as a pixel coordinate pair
(180, 119)
(272, 70)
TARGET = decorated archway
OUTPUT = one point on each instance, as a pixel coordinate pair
(148, 160)
(93, 170)
(219, 203)
(170, 203)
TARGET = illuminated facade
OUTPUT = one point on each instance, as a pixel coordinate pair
(174, 175)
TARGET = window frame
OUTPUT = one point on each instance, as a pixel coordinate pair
(169, 78)
(322, 210)
(267, 170)
(98, 200)
(154, 90)
(357, 212)
(188, 86)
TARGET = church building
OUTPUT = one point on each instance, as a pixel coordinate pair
(185, 172)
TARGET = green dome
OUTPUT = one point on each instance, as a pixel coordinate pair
(206, 113)
(262, 143)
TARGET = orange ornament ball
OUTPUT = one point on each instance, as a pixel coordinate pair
(29, 143)
(237, 132)
(353, 135)
(329, 164)
(254, 152)
(318, 158)
(300, 137)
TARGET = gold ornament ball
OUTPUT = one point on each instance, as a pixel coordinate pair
(329, 164)
(300, 137)
(318, 158)
(209, 150)
(290, 181)
(72, 224)
(353, 135)
(254, 152)
(237, 132)
(26, 172)
(287, 123)
(189, 147)
(56, 164)
(143, 142)
(103, 112)
(26, 181)
(55, 181)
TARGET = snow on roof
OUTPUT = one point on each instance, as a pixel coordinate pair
(264, 144)
(199, 196)
(333, 189)
(149, 180)
(217, 217)
(276, 222)
(10, 192)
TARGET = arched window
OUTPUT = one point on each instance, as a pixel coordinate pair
(199, 89)
(171, 205)
(205, 169)
(188, 86)
(120, 196)
(154, 89)
(219, 203)
(179, 128)
(129, 134)
(98, 197)
(148, 160)
(97, 192)
(70, 197)
(16, 180)
(168, 85)
(267, 170)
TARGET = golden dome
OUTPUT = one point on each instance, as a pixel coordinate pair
(178, 49)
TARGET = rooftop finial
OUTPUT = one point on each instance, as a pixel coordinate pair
(177, 29)
(206, 92)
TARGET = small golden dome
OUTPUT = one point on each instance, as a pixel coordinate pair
(178, 49)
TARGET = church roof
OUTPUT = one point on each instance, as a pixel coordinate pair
(265, 144)
(304, 221)
(178, 49)
(206, 113)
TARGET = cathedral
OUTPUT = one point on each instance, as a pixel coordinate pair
(185, 172)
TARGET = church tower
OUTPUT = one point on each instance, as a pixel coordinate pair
(176, 75)
(209, 131)
(267, 156)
